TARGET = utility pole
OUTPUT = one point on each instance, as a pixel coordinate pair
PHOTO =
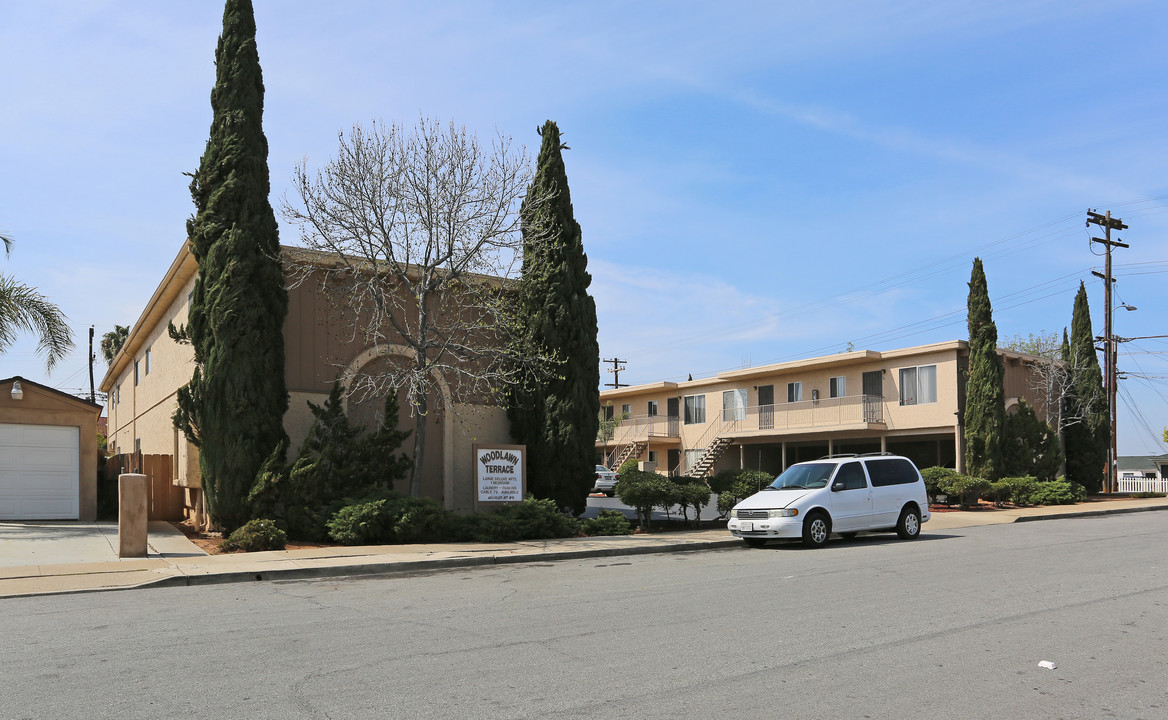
(617, 366)
(92, 397)
(1110, 375)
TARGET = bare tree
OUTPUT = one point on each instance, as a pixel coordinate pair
(1053, 380)
(423, 231)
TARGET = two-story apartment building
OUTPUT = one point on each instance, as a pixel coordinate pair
(909, 401)
(319, 347)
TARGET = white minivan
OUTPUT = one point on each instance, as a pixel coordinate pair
(845, 494)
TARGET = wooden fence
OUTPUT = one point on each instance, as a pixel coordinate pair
(165, 499)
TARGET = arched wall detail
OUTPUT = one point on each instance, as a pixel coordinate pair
(379, 351)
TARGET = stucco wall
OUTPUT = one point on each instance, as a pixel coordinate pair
(479, 424)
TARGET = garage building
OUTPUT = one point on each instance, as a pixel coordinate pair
(48, 453)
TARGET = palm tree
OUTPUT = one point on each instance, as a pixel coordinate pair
(113, 341)
(22, 308)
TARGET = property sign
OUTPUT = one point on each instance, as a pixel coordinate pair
(500, 472)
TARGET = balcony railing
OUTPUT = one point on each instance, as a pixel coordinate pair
(638, 427)
(853, 410)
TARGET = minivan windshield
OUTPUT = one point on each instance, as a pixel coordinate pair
(804, 477)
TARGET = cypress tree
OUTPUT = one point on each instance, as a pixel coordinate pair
(1085, 439)
(233, 407)
(557, 417)
(985, 405)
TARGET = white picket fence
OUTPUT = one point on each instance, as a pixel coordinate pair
(1139, 483)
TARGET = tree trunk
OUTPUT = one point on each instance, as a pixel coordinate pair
(420, 421)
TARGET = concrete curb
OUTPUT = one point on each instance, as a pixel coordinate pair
(1089, 513)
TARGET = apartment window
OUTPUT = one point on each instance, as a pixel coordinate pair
(626, 410)
(652, 456)
(695, 409)
(652, 410)
(147, 361)
(918, 385)
(794, 392)
(607, 410)
(836, 387)
(734, 405)
(135, 372)
(118, 394)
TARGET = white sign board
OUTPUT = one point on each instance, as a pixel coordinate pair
(499, 471)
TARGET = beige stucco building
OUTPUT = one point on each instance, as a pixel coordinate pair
(909, 401)
(143, 381)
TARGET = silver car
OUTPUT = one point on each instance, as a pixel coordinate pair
(605, 481)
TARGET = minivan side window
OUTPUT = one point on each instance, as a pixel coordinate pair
(891, 471)
(852, 476)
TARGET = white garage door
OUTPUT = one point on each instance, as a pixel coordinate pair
(39, 472)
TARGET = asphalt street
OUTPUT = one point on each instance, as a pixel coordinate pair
(953, 625)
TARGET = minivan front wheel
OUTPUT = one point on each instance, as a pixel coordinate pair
(816, 529)
(909, 525)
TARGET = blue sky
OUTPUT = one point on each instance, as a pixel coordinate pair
(756, 182)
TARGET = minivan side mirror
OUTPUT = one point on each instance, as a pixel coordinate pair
(837, 487)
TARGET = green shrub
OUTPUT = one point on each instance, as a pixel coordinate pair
(1058, 492)
(1147, 495)
(934, 476)
(999, 493)
(608, 522)
(254, 536)
(360, 524)
(966, 489)
(693, 493)
(734, 485)
(532, 519)
(419, 520)
(1021, 489)
(630, 464)
(644, 491)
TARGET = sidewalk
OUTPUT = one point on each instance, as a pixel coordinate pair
(174, 566)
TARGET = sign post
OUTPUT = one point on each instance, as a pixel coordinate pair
(500, 475)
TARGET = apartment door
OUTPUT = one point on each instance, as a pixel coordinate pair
(766, 407)
(672, 459)
(672, 413)
(873, 389)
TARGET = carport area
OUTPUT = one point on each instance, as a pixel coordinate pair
(69, 543)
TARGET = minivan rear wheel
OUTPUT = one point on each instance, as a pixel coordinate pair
(816, 530)
(909, 525)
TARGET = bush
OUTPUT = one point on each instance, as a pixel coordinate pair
(999, 493)
(630, 464)
(532, 519)
(254, 536)
(1021, 489)
(385, 518)
(691, 493)
(1147, 495)
(419, 520)
(644, 491)
(1058, 492)
(608, 522)
(734, 485)
(360, 524)
(965, 488)
(934, 477)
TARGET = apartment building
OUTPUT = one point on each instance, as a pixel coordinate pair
(143, 381)
(909, 401)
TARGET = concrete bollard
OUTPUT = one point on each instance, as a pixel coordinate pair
(132, 515)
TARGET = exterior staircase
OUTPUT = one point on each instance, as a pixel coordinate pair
(633, 449)
(710, 456)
